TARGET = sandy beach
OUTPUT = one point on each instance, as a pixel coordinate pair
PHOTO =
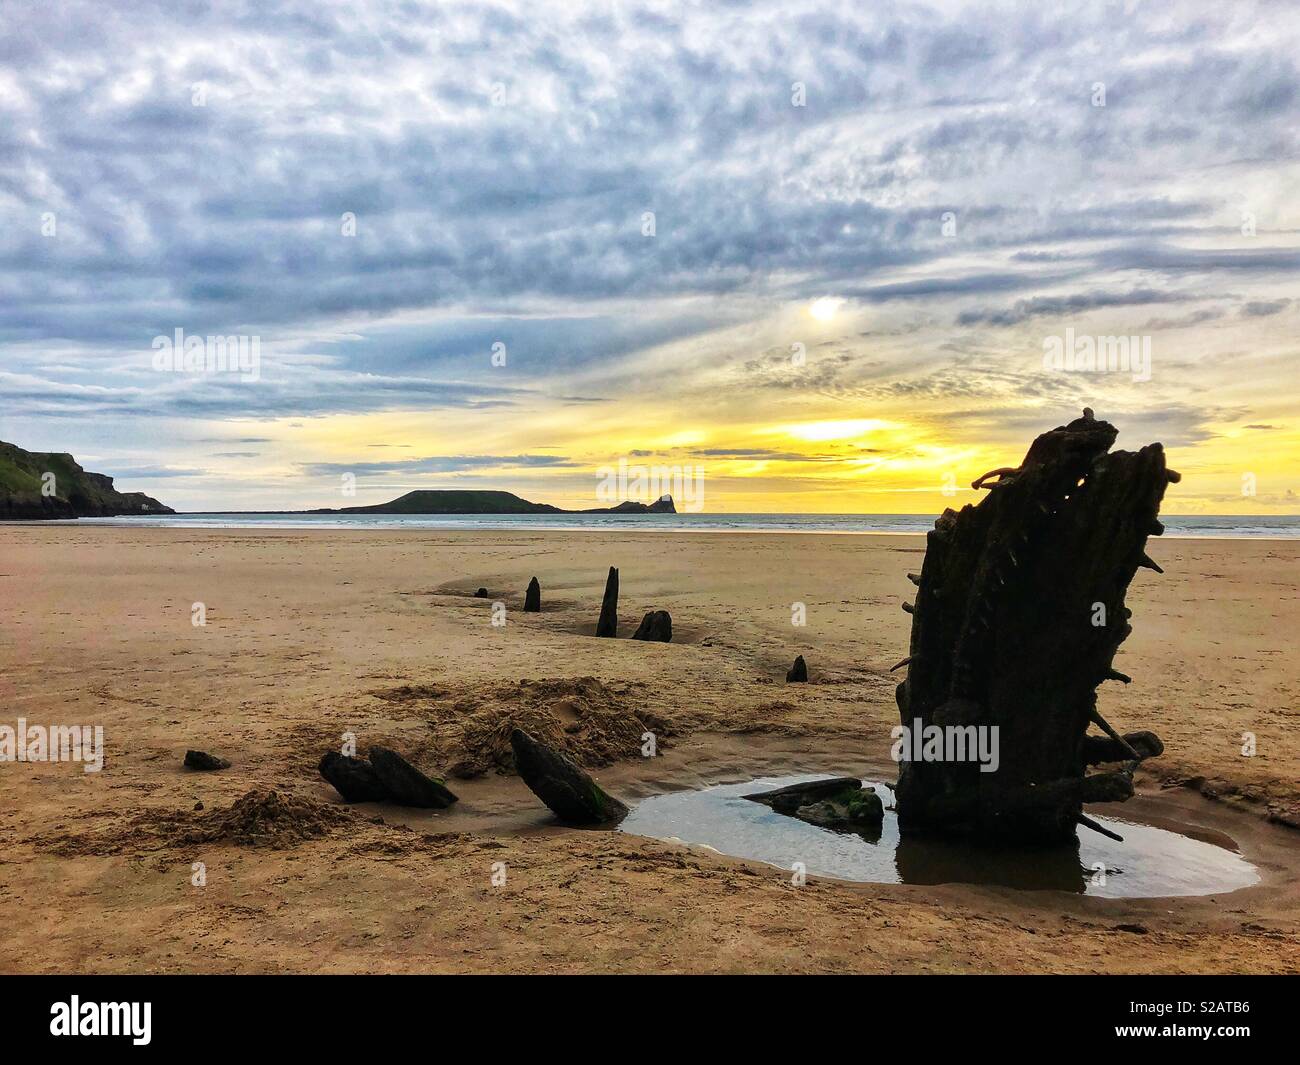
(311, 635)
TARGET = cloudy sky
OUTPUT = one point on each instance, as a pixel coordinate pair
(813, 249)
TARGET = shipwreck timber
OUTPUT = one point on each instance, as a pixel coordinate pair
(1018, 613)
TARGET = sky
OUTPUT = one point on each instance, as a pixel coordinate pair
(810, 256)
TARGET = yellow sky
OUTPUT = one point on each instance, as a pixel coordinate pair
(825, 409)
(883, 464)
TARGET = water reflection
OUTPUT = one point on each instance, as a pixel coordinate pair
(1150, 862)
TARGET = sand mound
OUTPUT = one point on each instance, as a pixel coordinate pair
(264, 819)
(257, 819)
(590, 721)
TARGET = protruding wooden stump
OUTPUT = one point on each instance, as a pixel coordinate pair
(608, 623)
(556, 779)
(656, 626)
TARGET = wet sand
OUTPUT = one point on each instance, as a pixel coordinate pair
(310, 635)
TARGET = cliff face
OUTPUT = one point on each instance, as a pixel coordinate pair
(71, 493)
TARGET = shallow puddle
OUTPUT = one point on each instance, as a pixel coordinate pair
(1151, 862)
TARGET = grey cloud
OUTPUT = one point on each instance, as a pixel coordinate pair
(1207, 314)
(1174, 425)
(761, 453)
(1263, 308)
(1178, 260)
(234, 440)
(440, 464)
(153, 473)
(282, 391)
(235, 219)
(1075, 303)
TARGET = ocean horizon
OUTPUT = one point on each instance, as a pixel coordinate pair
(1215, 526)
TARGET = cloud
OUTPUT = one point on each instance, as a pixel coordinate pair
(1065, 305)
(630, 201)
(283, 390)
(1264, 308)
(490, 156)
(759, 454)
(441, 464)
(153, 472)
(1180, 426)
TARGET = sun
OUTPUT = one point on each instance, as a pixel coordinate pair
(849, 429)
(824, 309)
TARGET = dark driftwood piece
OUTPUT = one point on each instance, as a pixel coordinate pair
(405, 784)
(656, 626)
(788, 799)
(841, 804)
(353, 778)
(533, 597)
(608, 623)
(1007, 631)
(566, 789)
(386, 777)
(204, 762)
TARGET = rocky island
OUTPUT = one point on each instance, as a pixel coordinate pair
(458, 501)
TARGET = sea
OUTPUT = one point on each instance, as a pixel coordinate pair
(1262, 526)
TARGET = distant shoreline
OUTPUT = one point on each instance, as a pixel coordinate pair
(1282, 528)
